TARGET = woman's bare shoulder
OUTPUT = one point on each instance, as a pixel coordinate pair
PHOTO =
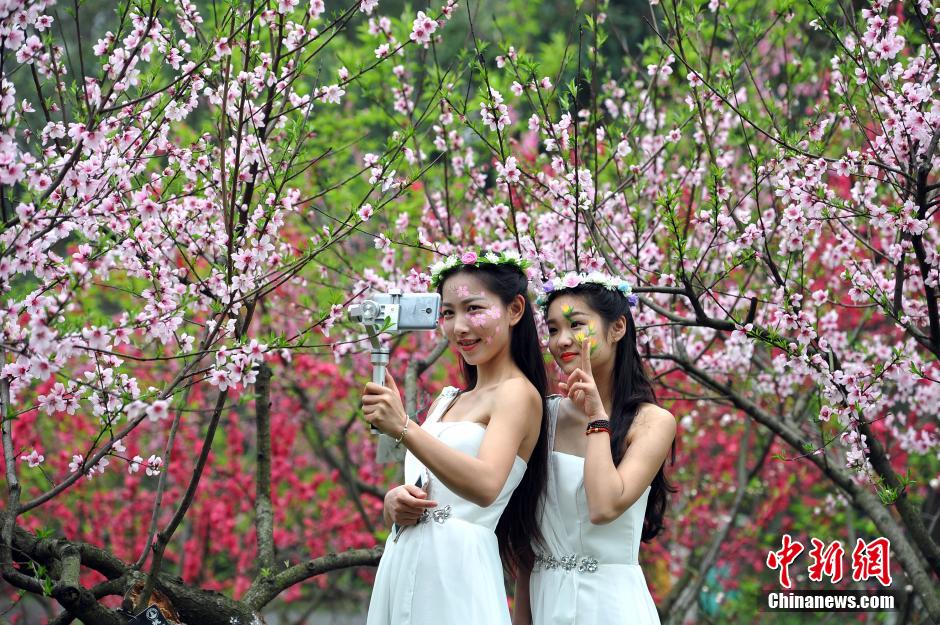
(651, 418)
(516, 392)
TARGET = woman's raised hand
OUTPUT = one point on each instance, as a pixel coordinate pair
(382, 407)
(581, 388)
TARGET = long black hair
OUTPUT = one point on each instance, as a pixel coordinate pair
(631, 388)
(518, 528)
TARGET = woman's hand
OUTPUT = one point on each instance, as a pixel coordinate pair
(382, 407)
(404, 504)
(581, 388)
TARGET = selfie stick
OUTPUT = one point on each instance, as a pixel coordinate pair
(370, 316)
(379, 360)
(393, 312)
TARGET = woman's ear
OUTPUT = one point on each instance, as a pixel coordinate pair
(516, 309)
(617, 329)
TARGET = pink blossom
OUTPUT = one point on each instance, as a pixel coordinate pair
(422, 29)
(332, 94)
(154, 463)
(158, 410)
(316, 9)
(34, 459)
(76, 463)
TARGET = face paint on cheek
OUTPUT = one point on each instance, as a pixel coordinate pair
(478, 320)
(486, 323)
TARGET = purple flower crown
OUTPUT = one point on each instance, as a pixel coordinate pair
(572, 280)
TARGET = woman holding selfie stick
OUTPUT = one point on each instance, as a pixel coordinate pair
(475, 470)
(606, 487)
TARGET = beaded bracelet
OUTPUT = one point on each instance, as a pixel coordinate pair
(601, 425)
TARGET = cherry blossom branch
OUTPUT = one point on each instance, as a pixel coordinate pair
(161, 487)
(908, 555)
(777, 140)
(193, 604)
(12, 508)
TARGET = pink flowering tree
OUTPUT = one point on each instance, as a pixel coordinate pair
(768, 182)
(175, 181)
(191, 197)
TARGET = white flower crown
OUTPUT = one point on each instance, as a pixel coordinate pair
(572, 280)
(471, 258)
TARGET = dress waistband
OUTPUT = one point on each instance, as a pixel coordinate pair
(438, 515)
(583, 563)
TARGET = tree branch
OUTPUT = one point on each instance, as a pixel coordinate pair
(263, 509)
(163, 538)
(908, 556)
(270, 587)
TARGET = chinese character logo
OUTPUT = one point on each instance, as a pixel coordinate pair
(784, 558)
(827, 560)
(872, 559)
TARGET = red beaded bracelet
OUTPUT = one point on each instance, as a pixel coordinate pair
(601, 425)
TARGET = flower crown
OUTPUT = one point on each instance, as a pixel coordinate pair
(572, 280)
(473, 259)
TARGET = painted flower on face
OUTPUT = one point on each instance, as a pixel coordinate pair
(481, 319)
(468, 258)
(585, 337)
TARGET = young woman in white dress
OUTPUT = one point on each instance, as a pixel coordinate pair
(606, 488)
(481, 451)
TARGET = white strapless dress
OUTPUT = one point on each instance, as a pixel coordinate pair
(445, 570)
(586, 574)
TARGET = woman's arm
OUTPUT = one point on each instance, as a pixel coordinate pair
(515, 408)
(612, 489)
(522, 612)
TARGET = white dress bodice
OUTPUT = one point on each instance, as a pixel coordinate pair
(586, 574)
(446, 569)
